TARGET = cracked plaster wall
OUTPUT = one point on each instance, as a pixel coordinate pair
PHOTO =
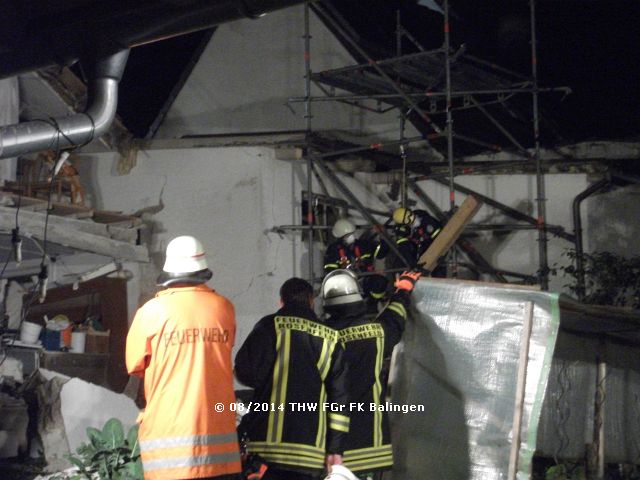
(229, 198)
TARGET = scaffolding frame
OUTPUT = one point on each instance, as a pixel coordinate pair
(399, 82)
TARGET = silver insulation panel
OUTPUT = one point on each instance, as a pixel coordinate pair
(459, 358)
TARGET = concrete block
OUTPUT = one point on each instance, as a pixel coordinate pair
(67, 406)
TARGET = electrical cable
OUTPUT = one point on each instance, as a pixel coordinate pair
(16, 240)
(43, 277)
(17, 229)
(40, 286)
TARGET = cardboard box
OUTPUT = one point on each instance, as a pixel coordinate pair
(97, 342)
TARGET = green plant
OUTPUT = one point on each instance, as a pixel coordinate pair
(109, 455)
(610, 279)
(564, 471)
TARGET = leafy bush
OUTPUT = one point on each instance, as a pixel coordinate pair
(609, 278)
(564, 471)
(109, 455)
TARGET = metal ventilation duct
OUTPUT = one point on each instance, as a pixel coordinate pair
(78, 129)
(40, 34)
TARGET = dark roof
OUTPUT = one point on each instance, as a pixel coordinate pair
(589, 46)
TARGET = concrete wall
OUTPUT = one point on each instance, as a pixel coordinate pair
(517, 250)
(230, 198)
(248, 72)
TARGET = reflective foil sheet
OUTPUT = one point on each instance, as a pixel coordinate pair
(459, 358)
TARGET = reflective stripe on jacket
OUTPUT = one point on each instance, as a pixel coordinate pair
(180, 342)
(296, 366)
(368, 342)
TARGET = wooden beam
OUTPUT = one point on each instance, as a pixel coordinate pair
(116, 219)
(450, 233)
(70, 211)
(80, 234)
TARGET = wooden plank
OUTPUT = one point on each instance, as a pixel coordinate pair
(38, 206)
(450, 233)
(80, 234)
(521, 384)
(116, 219)
(34, 220)
(72, 211)
(27, 203)
(94, 243)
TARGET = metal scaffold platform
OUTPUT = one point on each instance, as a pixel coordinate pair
(426, 88)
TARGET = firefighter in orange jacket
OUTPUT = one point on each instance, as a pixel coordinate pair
(180, 342)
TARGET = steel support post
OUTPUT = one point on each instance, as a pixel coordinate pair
(307, 116)
(541, 200)
(452, 259)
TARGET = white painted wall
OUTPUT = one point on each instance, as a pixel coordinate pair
(251, 68)
(230, 198)
(517, 251)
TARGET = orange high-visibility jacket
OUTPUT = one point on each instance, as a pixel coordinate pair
(180, 342)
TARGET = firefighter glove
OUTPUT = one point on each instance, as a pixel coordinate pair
(407, 280)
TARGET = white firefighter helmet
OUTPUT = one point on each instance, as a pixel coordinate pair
(185, 261)
(403, 216)
(340, 472)
(342, 227)
(340, 287)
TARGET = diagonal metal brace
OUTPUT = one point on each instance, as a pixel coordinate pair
(322, 166)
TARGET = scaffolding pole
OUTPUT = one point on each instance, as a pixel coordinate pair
(411, 101)
(452, 266)
(307, 116)
(401, 119)
(387, 78)
(373, 146)
(429, 94)
(502, 129)
(541, 200)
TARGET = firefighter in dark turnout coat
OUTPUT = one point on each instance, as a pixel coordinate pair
(357, 254)
(296, 366)
(368, 341)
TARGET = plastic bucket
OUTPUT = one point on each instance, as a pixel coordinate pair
(29, 332)
(78, 341)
